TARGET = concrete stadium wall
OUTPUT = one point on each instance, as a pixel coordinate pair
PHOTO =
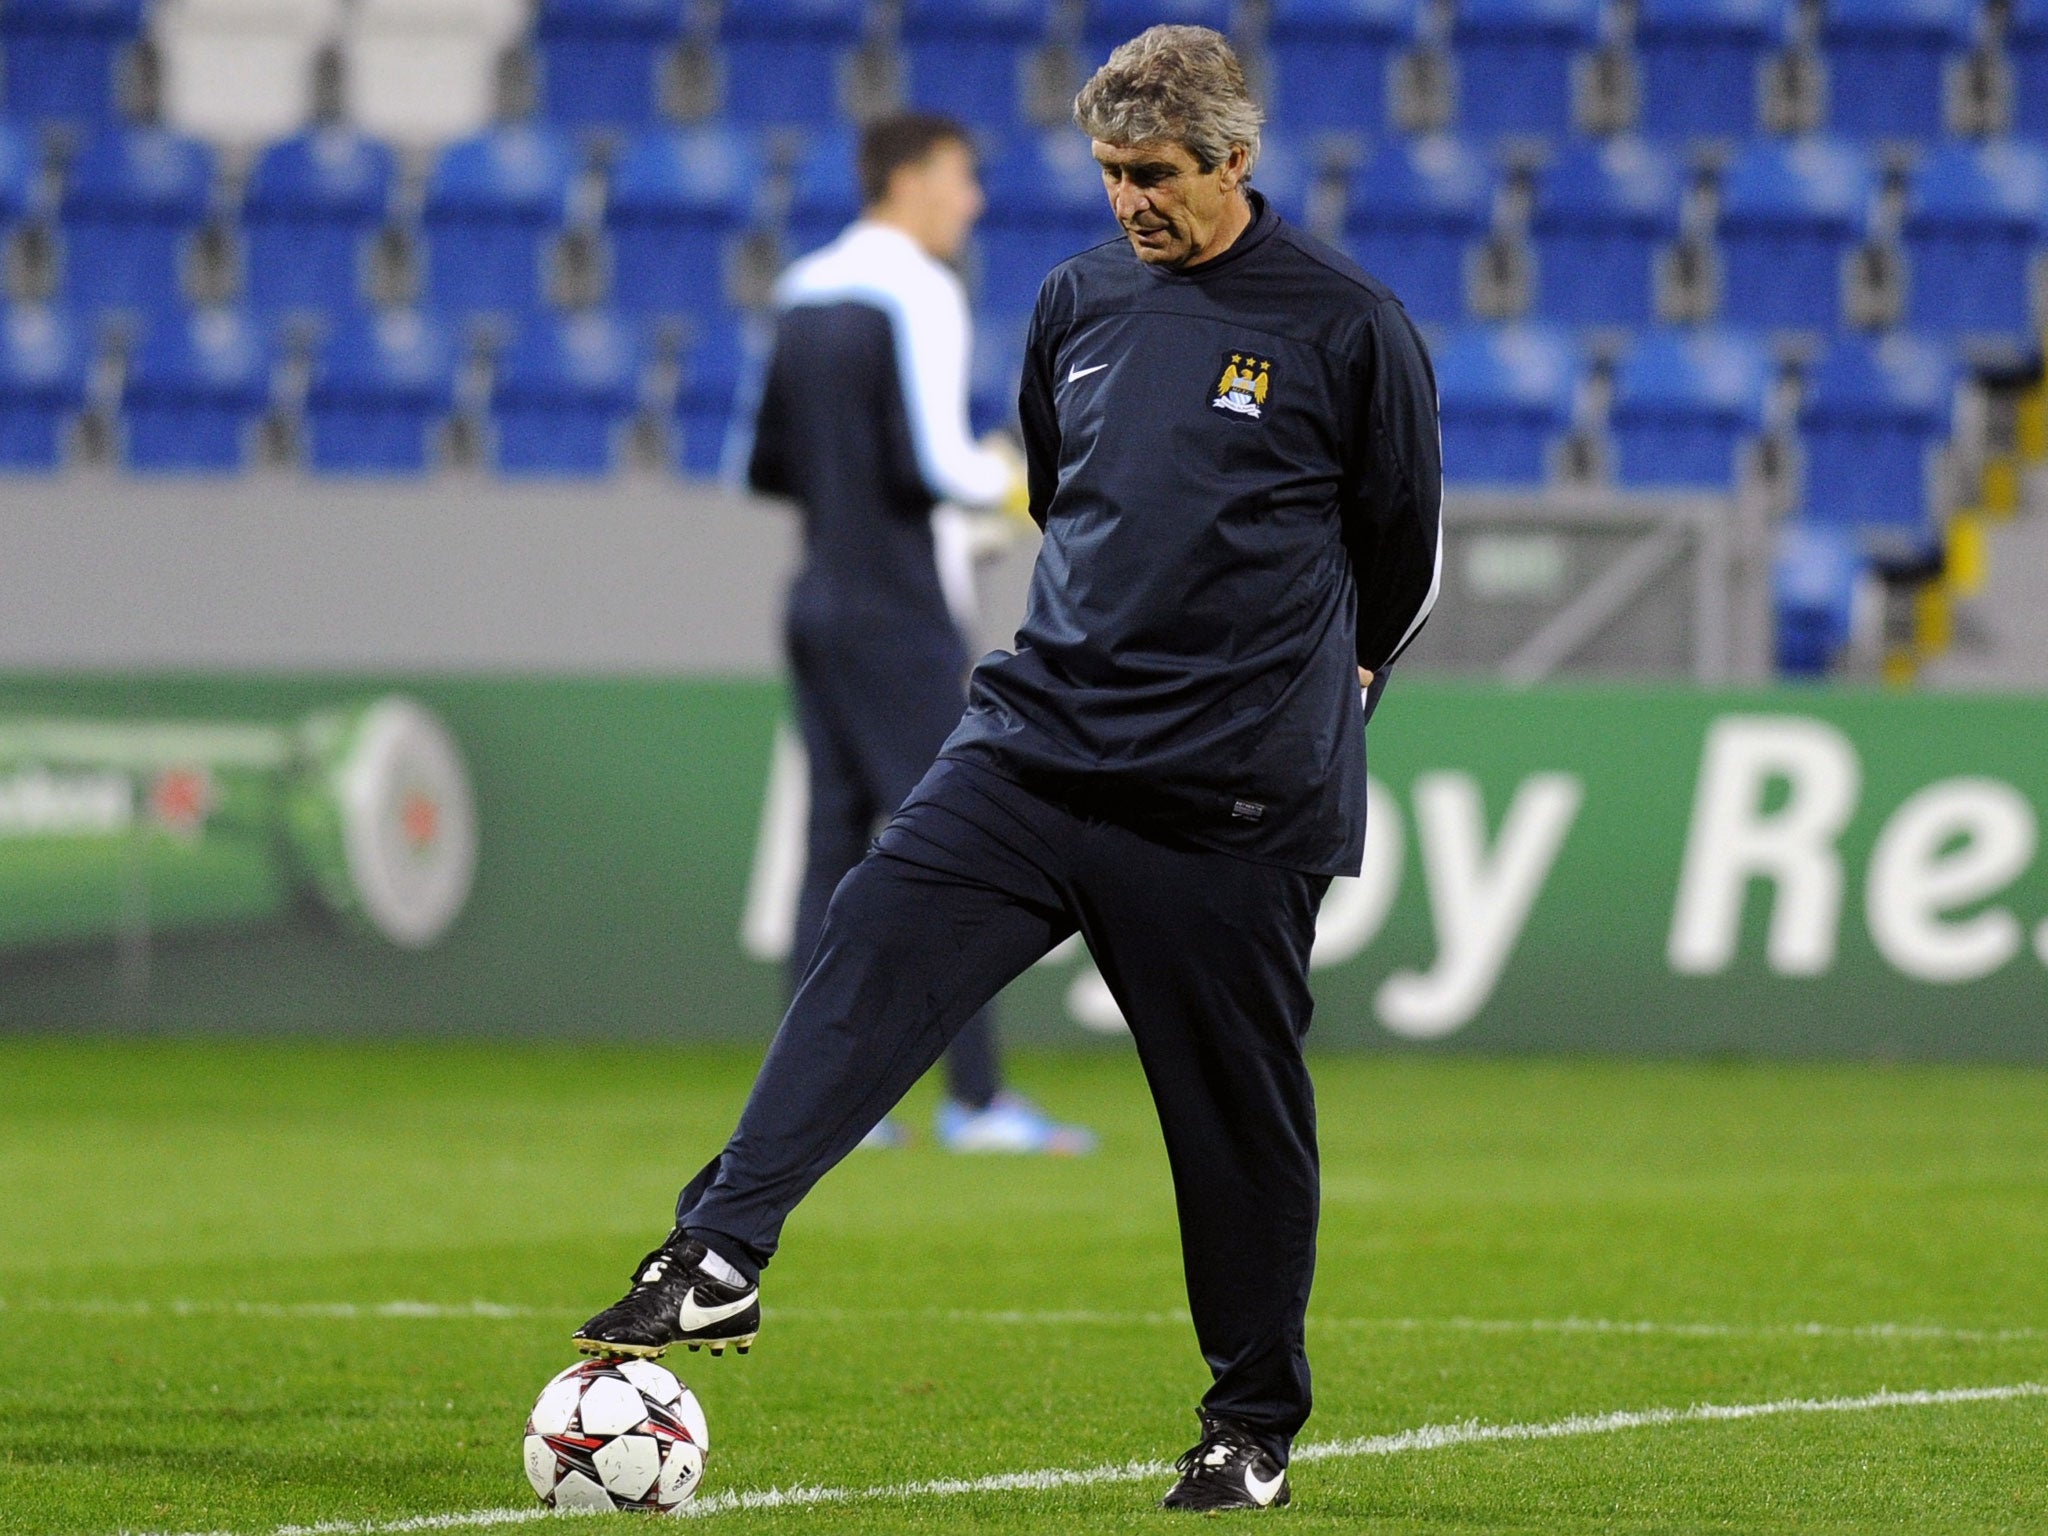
(643, 575)
(456, 574)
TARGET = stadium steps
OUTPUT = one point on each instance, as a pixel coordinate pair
(1984, 622)
(1999, 635)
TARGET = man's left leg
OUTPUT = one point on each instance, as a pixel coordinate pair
(1208, 957)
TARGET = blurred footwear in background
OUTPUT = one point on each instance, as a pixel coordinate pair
(1010, 1123)
(888, 1133)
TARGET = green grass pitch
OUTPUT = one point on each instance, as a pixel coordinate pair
(237, 1285)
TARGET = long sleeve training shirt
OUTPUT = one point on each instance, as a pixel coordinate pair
(863, 422)
(1238, 472)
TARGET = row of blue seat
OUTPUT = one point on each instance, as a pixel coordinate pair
(1329, 59)
(1790, 212)
(1685, 403)
(1511, 64)
(378, 390)
(133, 199)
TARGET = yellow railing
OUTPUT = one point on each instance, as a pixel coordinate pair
(1967, 538)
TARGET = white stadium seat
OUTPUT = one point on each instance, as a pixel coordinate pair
(500, 19)
(424, 72)
(241, 71)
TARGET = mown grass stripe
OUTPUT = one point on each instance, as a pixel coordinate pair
(1427, 1437)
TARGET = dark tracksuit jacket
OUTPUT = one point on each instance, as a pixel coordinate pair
(1218, 558)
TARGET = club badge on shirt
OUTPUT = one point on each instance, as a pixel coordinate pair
(1242, 389)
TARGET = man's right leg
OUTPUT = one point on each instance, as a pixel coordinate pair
(962, 894)
(1208, 956)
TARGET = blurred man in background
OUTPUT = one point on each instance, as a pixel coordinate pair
(863, 422)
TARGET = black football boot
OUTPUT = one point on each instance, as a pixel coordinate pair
(674, 1301)
(1228, 1469)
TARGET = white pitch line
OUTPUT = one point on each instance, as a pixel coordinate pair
(1940, 1332)
(464, 1520)
(431, 1311)
(490, 1311)
(1427, 1437)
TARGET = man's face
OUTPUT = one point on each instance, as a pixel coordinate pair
(1171, 210)
(941, 194)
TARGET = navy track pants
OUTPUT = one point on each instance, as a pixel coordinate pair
(1207, 954)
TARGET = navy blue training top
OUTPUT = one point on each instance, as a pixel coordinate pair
(1238, 472)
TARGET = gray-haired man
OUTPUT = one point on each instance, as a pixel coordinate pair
(1231, 439)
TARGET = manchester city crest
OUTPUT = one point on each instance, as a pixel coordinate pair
(1242, 389)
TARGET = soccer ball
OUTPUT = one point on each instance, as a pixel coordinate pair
(616, 1434)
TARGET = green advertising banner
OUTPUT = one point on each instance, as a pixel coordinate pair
(1621, 869)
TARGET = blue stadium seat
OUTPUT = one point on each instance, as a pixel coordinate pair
(45, 363)
(21, 174)
(1330, 61)
(996, 370)
(563, 392)
(966, 58)
(1976, 218)
(1685, 404)
(600, 60)
(1814, 585)
(1284, 175)
(1106, 23)
(2026, 47)
(133, 199)
(1791, 212)
(824, 191)
(1875, 411)
(1045, 203)
(1515, 63)
(721, 352)
(313, 204)
(382, 385)
(494, 205)
(782, 58)
(678, 198)
(196, 388)
(1701, 64)
(1412, 214)
(1508, 394)
(1602, 213)
(1885, 63)
(60, 56)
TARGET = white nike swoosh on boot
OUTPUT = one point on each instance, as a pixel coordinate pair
(693, 1317)
(1262, 1493)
